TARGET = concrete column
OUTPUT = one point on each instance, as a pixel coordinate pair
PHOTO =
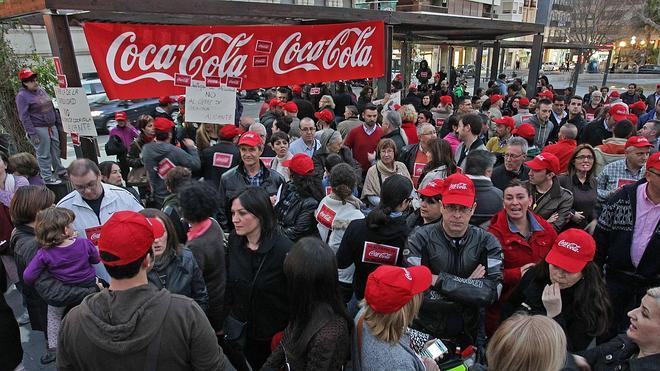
(534, 65)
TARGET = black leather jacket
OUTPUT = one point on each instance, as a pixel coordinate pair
(182, 276)
(296, 214)
(234, 181)
(451, 307)
(407, 156)
(619, 353)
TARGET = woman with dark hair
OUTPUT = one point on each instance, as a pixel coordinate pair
(198, 202)
(138, 174)
(427, 105)
(111, 174)
(568, 287)
(25, 164)
(424, 117)
(383, 232)
(174, 180)
(257, 300)
(332, 142)
(298, 199)
(318, 334)
(452, 137)
(364, 98)
(440, 162)
(386, 166)
(335, 212)
(342, 99)
(175, 268)
(581, 181)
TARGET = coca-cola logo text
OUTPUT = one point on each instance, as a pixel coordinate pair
(380, 255)
(458, 186)
(569, 245)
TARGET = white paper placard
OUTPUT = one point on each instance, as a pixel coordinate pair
(74, 111)
(210, 105)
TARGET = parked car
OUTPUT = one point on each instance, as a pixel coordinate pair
(94, 90)
(649, 68)
(103, 111)
(550, 66)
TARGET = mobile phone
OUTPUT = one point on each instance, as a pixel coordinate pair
(434, 350)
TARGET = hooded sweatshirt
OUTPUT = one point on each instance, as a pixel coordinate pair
(612, 149)
(112, 330)
(542, 130)
(155, 155)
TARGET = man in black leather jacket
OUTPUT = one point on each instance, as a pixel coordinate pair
(466, 262)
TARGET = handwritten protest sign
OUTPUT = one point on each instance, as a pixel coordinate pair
(74, 110)
(210, 105)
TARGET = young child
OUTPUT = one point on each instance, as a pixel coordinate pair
(279, 141)
(65, 256)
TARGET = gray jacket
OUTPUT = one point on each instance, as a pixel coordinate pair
(543, 130)
(155, 152)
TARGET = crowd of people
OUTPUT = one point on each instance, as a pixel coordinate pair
(490, 232)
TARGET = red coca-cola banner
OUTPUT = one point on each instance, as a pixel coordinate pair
(141, 61)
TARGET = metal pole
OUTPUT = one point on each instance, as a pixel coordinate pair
(495, 59)
(534, 65)
(607, 66)
(477, 67)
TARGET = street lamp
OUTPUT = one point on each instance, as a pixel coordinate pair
(622, 44)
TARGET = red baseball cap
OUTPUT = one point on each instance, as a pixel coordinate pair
(437, 74)
(633, 118)
(128, 236)
(653, 162)
(325, 115)
(572, 250)
(640, 105)
(229, 131)
(433, 189)
(297, 89)
(181, 99)
(275, 102)
(615, 94)
(120, 116)
(445, 99)
(507, 121)
(526, 131)
(25, 73)
(618, 112)
(523, 102)
(389, 288)
(250, 138)
(300, 164)
(458, 189)
(638, 141)
(495, 97)
(163, 124)
(546, 94)
(166, 99)
(544, 161)
(291, 107)
(412, 86)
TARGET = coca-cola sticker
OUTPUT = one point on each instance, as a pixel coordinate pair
(326, 216)
(93, 234)
(234, 82)
(381, 254)
(268, 161)
(212, 82)
(164, 167)
(75, 139)
(418, 168)
(182, 80)
(260, 61)
(222, 160)
(328, 190)
(135, 60)
(315, 91)
(439, 122)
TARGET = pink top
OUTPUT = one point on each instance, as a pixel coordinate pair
(453, 141)
(646, 218)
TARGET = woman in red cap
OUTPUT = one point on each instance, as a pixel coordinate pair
(568, 287)
(138, 174)
(299, 198)
(392, 299)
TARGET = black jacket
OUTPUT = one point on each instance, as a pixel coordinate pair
(501, 177)
(395, 135)
(346, 155)
(182, 276)
(407, 156)
(594, 133)
(209, 252)
(305, 108)
(451, 307)
(171, 209)
(529, 291)
(488, 199)
(212, 172)
(619, 354)
(266, 307)
(295, 214)
(355, 241)
(234, 181)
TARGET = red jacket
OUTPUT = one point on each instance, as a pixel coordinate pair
(411, 132)
(563, 149)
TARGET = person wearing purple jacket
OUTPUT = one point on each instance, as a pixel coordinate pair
(119, 142)
(42, 125)
(67, 258)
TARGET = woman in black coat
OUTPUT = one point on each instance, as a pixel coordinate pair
(256, 286)
(175, 268)
(299, 199)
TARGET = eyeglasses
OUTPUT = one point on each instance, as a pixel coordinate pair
(511, 155)
(83, 187)
(584, 157)
(307, 129)
(457, 209)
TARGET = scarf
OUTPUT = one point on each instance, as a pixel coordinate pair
(164, 260)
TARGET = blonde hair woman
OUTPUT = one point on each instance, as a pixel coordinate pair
(527, 343)
(326, 101)
(206, 136)
(392, 299)
(409, 118)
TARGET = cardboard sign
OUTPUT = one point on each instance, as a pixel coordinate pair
(164, 167)
(418, 168)
(182, 80)
(61, 81)
(222, 160)
(326, 216)
(380, 254)
(93, 234)
(268, 161)
(621, 182)
(210, 105)
(74, 110)
(75, 139)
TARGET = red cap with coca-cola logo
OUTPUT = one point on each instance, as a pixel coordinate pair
(325, 115)
(127, 236)
(638, 142)
(458, 189)
(300, 164)
(433, 189)
(544, 161)
(389, 288)
(446, 100)
(572, 250)
(251, 139)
